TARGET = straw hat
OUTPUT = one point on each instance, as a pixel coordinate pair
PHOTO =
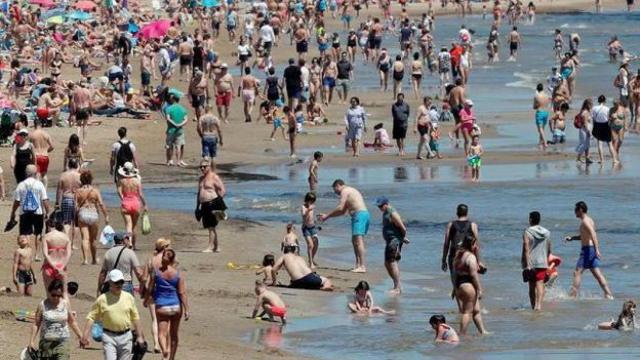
(128, 170)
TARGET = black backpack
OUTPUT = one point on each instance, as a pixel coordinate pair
(125, 154)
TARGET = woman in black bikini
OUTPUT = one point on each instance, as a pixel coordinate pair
(398, 75)
(468, 287)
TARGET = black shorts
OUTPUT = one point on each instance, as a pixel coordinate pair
(82, 114)
(209, 210)
(377, 42)
(31, 224)
(185, 60)
(455, 110)
(243, 58)
(198, 101)
(302, 47)
(267, 46)
(311, 281)
(399, 132)
(25, 277)
(513, 46)
(392, 250)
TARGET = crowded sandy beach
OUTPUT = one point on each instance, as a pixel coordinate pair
(318, 179)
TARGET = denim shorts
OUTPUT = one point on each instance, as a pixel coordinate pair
(209, 147)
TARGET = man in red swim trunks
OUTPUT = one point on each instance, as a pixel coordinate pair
(224, 92)
(42, 146)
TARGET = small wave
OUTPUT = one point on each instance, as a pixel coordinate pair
(429, 290)
(271, 205)
(576, 26)
(589, 327)
(526, 81)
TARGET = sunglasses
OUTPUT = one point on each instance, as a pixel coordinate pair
(119, 283)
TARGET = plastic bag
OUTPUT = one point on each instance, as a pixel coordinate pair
(146, 224)
(96, 331)
(106, 236)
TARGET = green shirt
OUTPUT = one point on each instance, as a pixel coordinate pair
(178, 114)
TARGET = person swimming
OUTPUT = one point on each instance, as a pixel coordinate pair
(626, 319)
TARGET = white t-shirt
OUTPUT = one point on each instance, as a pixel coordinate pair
(305, 75)
(600, 114)
(267, 34)
(37, 187)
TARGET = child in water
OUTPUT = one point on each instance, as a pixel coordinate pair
(444, 332)
(267, 270)
(558, 125)
(290, 239)
(363, 301)
(626, 319)
(474, 158)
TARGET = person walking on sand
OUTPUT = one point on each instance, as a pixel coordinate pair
(42, 146)
(122, 151)
(394, 233)
(121, 257)
(68, 183)
(351, 201)
(590, 256)
(400, 113)
(132, 201)
(210, 205)
(540, 105)
(536, 247)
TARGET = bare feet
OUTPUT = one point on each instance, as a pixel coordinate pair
(395, 291)
(207, 250)
(360, 270)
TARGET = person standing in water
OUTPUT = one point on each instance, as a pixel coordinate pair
(351, 201)
(394, 233)
(514, 43)
(590, 252)
(540, 105)
(536, 247)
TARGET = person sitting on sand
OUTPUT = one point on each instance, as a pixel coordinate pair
(301, 275)
(270, 302)
(362, 303)
(626, 319)
(380, 138)
(267, 270)
(444, 332)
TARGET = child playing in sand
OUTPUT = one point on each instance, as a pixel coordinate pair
(270, 302)
(626, 319)
(22, 272)
(290, 239)
(267, 270)
(363, 301)
(380, 137)
(444, 332)
(474, 159)
(313, 171)
(309, 230)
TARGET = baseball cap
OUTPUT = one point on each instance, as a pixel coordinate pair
(381, 200)
(469, 102)
(115, 275)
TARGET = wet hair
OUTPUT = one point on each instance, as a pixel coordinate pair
(268, 260)
(437, 320)
(337, 182)
(515, 28)
(378, 126)
(602, 99)
(310, 197)
(362, 285)
(534, 218)
(462, 210)
(122, 132)
(539, 87)
(55, 285)
(318, 155)
(582, 206)
(86, 178)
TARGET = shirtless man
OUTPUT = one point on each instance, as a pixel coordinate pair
(301, 275)
(81, 104)
(457, 99)
(48, 107)
(249, 87)
(146, 70)
(199, 92)
(351, 201)
(42, 146)
(210, 135)
(590, 252)
(329, 81)
(185, 52)
(561, 95)
(68, 183)
(540, 105)
(514, 43)
(301, 36)
(224, 92)
(210, 203)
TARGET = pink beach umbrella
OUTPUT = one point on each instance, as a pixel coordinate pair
(85, 5)
(155, 30)
(43, 3)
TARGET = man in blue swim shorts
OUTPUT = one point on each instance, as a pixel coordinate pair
(589, 253)
(540, 105)
(351, 201)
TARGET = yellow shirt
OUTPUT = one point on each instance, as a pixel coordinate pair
(115, 313)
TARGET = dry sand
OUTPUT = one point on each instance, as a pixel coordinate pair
(220, 298)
